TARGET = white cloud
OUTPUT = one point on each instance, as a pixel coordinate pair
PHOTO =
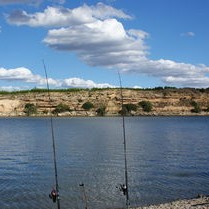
(172, 73)
(25, 75)
(16, 74)
(61, 17)
(137, 87)
(11, 88)
(97, 44)
(78, 82)
(188, 34)
(97, 36)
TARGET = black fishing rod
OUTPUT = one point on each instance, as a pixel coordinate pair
(57, 197)
(124, 187)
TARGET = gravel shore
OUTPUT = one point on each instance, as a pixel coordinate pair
(199, 203)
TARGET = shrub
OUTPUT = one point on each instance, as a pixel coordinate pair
(61, 108)
(146, 106)
(127, 108)
(101, 111)
(123, 111)
(30, 109)
(87, 106)
(196, 108)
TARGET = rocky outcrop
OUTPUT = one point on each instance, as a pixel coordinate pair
(164, 101)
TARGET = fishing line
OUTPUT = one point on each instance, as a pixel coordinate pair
(125, 187)
(53, 139)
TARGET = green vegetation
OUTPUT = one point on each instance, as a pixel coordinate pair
(42, 90)
(98, 89)
(101, 111)
(130, 107)
(196, 107)
(38, 90)
(61, 108)
(165, 100)
(87, 106)
(30, 109)
(127, 108)
(146, 106)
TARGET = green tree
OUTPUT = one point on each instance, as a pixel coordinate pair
(30, 109)
(146, 106)
(61, 108)
(87, 106)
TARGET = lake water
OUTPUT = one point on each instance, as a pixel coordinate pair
(168, 159)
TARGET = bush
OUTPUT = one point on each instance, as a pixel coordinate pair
(123, 111)
(30, 109)
(127, 108)
(87, 106)
(146, 106)
(196, 108)
(61, 108)
(101, 111)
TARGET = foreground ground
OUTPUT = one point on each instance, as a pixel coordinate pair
(199, 203)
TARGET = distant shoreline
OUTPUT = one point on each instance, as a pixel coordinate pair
(106, 102)
(114, 116)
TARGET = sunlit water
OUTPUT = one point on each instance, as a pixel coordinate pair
(168, 159)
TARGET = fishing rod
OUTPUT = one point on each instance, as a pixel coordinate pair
(124, 187)
(56, 197)
(84, 195)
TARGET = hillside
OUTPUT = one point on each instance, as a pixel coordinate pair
(164, 102)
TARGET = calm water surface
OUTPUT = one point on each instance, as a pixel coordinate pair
(168, 159)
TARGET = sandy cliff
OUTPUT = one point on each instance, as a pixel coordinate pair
(164, 101)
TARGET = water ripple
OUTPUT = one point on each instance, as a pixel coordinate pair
(167, 160)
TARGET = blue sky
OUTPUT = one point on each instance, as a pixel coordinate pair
(85, 43)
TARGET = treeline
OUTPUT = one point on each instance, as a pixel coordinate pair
(42, 90)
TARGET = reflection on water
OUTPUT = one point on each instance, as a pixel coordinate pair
(167, 160)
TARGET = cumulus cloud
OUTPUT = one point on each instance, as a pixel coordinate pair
(98, 37)
(19, 74)
(25, 75)
(173, 73)
(62, 17)
(123, 50)
(97, 44)
(80, 83)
